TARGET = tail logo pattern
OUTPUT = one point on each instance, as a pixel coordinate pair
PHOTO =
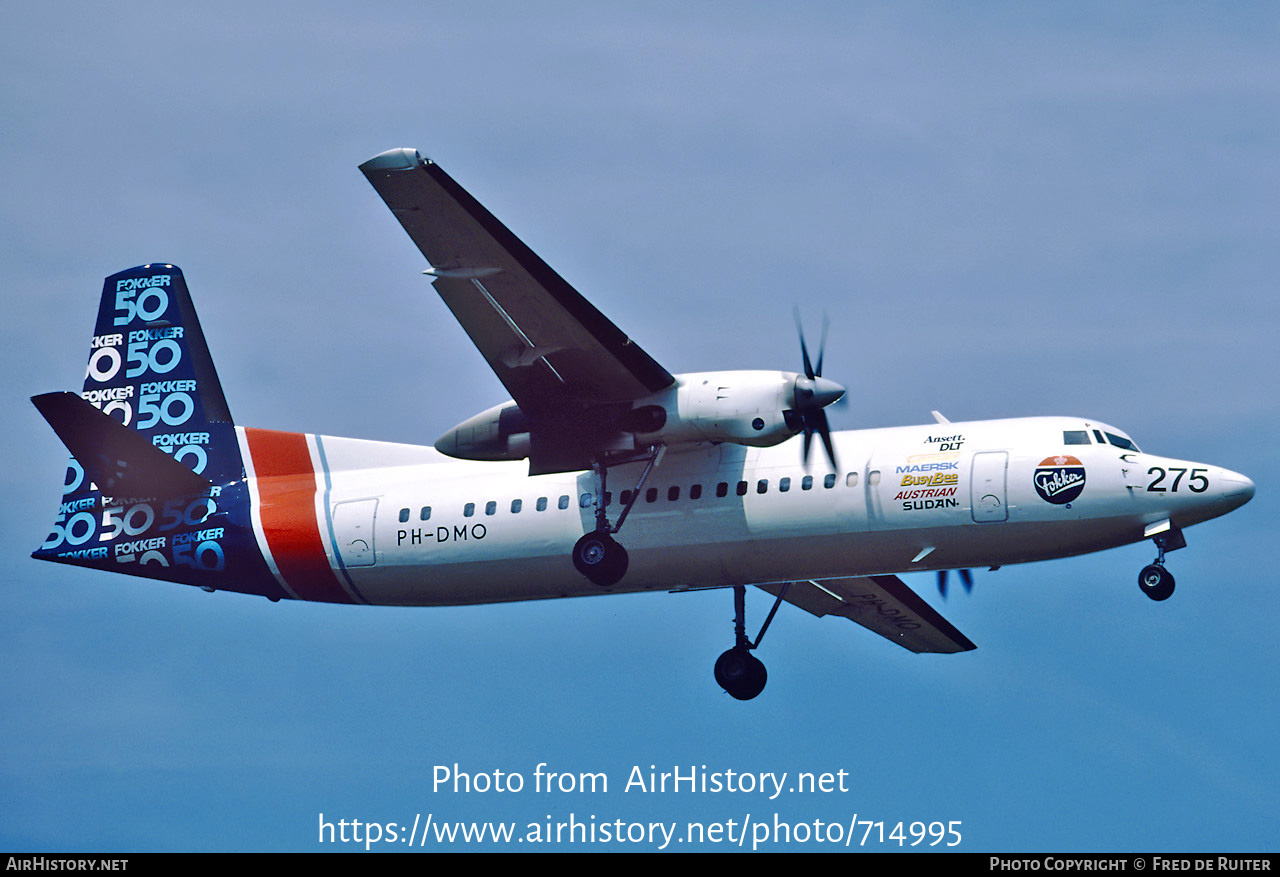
(149, 370)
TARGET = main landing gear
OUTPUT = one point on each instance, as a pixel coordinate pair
(738, 671)
(596, 555)
(1154, 580)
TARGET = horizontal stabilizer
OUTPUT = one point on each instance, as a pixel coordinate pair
(121, 461)
(881, 604)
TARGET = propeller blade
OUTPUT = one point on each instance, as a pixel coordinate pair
(822, 346)
(825, 432)
(966, 579)
(804, 350)
(811, 394)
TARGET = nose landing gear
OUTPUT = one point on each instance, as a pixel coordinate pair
(1154, 580)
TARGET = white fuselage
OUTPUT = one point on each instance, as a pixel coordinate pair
(405, 525)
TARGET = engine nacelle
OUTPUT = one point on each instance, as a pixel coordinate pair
(757, 408)
(500, 433)
(743, 407)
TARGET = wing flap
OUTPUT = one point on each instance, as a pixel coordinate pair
(881, 604)
(546, 343)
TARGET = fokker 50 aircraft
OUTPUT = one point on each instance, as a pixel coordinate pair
(605, 473)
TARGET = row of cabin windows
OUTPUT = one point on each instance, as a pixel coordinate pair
(651, 495)
(490, 508)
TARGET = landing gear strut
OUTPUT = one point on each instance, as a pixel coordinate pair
(596, 555)
(738, 671)
(1154, 580)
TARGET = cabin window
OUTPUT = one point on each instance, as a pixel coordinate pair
(516, 505)
(564, 502)
(784, 484)
(584, 501)
(651, 495)
(830, 481)
(851, 480)
(542, 504)
(722, 489)
(873, 477)
(806, 483)
(742, 488)
(695, 491)
(404, 516)
(468, 510)
(491, 507)
(762, 486)
(673, 493)
(425, 513)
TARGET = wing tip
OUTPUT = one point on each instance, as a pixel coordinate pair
(402, 159)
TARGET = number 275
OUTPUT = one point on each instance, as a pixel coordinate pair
(1197, 483)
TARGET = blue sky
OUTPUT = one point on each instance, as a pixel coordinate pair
(1006, 209)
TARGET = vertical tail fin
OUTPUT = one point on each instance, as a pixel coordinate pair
(150, 368)
(156, 486)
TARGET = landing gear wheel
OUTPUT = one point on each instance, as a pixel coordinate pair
(600, 559)
(1156, 582)
(740, 673)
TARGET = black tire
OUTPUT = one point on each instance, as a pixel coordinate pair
(740, 673)
(1156, 582)
(599, 558)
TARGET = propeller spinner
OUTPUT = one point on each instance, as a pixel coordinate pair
(811, 395)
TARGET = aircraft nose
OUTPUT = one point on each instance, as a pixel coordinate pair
(1237, 489)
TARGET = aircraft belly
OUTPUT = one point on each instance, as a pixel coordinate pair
(518, 572)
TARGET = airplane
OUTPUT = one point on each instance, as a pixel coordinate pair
(518, 502)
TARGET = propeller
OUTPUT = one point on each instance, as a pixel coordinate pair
(811, 394)
(966, 579)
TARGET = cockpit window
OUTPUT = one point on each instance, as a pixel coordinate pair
(1121, 442)
(1075, 437)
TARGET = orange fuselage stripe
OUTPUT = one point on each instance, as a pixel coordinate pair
(287, 493)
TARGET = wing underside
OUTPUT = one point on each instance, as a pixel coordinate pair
(881, 604)
(553, 351)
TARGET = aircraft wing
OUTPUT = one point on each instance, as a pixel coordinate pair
(881, 604)
(553, 351)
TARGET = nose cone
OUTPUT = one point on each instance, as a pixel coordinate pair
(1237, 489)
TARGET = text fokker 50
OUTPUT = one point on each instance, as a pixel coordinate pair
(704, 478)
